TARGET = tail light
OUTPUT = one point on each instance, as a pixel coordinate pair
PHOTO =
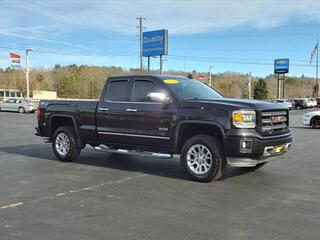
(38, 113)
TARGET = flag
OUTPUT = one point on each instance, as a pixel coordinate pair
(314, 52)
(15, 60)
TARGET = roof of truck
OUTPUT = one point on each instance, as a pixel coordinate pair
(160, 76)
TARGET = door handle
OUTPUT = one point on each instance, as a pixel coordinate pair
(131, 110)
(103, 109)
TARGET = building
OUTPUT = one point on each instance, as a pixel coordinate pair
(10, 93)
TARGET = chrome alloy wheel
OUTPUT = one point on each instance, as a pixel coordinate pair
(62, 144)
(199, 159)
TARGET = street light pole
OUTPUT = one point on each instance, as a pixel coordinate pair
(210, 78)
(27, 70)
(161, 63)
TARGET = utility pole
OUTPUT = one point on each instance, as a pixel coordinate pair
(27, 70)
(249, 86)
(210, 78)
(140, 39)
(317, 67)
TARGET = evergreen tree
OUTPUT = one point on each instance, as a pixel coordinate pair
(260, 90)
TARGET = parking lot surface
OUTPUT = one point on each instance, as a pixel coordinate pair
(108, 196)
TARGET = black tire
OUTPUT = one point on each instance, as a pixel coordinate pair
(218, 161)
(73, 152)
(315, 122)
(21, 110)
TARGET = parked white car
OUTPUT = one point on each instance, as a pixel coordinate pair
(312, 119)
(310, 102)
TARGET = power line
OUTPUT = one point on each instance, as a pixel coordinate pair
(70, 53)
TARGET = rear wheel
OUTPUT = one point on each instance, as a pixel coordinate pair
(315, 122)
(64, 144)
(202, 158)
(21, 110)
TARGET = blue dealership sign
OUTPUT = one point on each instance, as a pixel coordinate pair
(155, 43)
(281, 66)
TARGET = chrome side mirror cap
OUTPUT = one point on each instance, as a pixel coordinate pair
(158, 97)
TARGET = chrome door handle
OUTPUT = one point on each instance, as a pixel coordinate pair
(131, 110)
(103, 109)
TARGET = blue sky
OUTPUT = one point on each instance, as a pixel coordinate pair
(232, 35)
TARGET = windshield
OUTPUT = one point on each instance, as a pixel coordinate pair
(189, 89)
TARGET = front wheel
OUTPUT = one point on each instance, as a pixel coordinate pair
(21, 110)
(202, 158)
(64, 144)
(315, 122)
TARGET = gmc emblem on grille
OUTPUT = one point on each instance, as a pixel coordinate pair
(278, 119)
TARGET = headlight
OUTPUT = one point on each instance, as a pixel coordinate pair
(244, 119)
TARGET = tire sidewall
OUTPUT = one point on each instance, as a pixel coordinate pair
(217, 158)
(21, 110)
(70, 156)
(314, 121)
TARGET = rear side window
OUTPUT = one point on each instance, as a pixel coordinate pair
(141, 89)
(118, 91)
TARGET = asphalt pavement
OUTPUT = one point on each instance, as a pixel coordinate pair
(109, 196)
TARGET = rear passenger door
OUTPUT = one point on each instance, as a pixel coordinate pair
(112, 121)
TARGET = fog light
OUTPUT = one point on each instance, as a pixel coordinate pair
(246, 146)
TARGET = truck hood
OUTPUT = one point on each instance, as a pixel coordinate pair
(245, 103)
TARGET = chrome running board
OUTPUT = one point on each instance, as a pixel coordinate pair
(103, 148)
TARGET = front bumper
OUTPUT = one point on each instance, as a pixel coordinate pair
(263, 149)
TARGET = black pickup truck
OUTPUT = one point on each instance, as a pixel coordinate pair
(162, 115)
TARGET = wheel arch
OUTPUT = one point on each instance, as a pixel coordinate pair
(59, 120)
(188, 128)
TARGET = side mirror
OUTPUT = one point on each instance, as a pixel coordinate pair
(158, 97)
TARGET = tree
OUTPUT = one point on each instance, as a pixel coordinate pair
(260, 90)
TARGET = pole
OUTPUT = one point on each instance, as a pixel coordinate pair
(317, 67)
(278, 90)
(161, 64)
(141, 46)
(210, 77)
(249, 86)
(283, 77)
(27, 72)
(148, 64)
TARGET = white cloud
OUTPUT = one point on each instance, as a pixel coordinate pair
(53, 19)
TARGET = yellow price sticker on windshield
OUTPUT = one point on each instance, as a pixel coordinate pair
(171, 81)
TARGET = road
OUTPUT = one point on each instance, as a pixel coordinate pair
(108, 196)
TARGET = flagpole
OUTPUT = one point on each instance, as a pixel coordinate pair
(317, 84)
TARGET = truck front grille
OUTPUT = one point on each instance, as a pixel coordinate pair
(274, 122)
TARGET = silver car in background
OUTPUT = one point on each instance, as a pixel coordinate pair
(17, 105)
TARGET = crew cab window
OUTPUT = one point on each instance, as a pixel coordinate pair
(118, 90)
(141, 89)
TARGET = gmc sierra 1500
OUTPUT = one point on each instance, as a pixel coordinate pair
(162, 115)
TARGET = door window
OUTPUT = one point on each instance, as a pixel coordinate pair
(11, 101)
(141, 89)
(118, 91)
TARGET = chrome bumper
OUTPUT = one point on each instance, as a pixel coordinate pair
(270, 153)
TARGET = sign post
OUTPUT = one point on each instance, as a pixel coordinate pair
(155, 43)
(281, 66)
